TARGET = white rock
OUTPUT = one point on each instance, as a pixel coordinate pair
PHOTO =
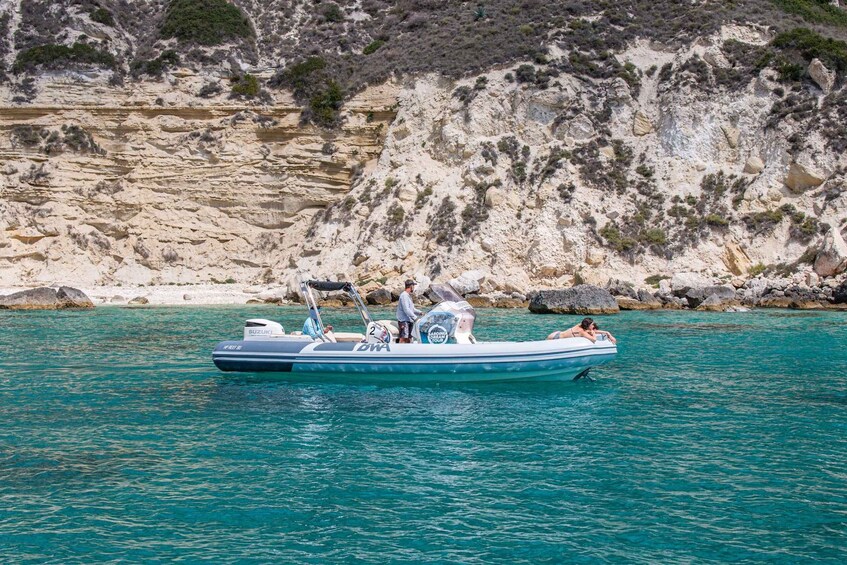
(494, 197)
(832, 257)
(580, 128)
(821, 75)
(732, 134)
(641, 124)
(682, 281)
(424, 282)
(407, 194)
(477, 275)
(754, 165)
(802, 177)
(464, 285)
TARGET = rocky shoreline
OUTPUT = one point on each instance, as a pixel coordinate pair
(683, 291)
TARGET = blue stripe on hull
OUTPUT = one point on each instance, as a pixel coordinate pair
(289, 361)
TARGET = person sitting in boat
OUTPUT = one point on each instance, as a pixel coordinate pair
(311, 328)
(595, 331)
(406, 312)
(582, 329)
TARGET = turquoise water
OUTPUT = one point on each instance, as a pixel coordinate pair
(717, 437)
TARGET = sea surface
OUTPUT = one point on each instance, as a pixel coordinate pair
(711, 438)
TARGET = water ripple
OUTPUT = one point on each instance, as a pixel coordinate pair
(711, 438)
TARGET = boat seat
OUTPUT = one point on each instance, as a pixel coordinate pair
(391, 326)
(348, 337)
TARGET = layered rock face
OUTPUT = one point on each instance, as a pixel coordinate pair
(146, 185)
(595, 179)
(525, 182)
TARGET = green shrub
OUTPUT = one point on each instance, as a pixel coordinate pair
(760, 222)
(246, 86)
(816, 11)
(325, 104)
(332, 13)
(810, 45)
(717, 221)
(207, 22)
(655, 236)
(757, 269)
(615, 239)
(396, 215)
(102, 16)
(654, 280)
(525, 73)
(53, 56)
(157, 66)
(373, 46)
(300, 77)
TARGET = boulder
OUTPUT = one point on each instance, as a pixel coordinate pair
(697, 296)
(754, 166)
(479, 301)
(625, 303)
(41, 298)
(494, 197)
(359, 258)
(832, 256)
(839, 295)
(580, 128)
(44, 298)
(142, 300)
(821, 75)
(801, 178)
(622, 288)
(509, 302)
(70, 297)
(773, 301)
(379, 297)
(464, 284)
(717, 303)
(648, 299)
(641, 124)
(731, 134)
(681, 283)
(581, 299)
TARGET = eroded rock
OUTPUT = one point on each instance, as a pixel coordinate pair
(832, 257)
(821, 75)
(45, 298)
(641, 124)
(581, 299)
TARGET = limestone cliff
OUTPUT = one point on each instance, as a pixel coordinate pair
(581, 147)
(104, 185)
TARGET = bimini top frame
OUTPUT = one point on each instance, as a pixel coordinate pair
(306, 288)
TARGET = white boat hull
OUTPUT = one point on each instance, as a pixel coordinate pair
(297, 359)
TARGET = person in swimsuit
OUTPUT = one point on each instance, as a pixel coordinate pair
(582, 329)
(595, 331)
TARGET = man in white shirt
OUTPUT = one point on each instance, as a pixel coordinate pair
(406, 312)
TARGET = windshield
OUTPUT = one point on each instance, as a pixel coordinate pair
(445, 293)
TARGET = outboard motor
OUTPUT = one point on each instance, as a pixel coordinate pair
(451, 321)
(259, 329)
(377, 333)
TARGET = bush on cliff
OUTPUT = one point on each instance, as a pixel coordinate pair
(61, 56)
(155, 67)
(802, 45)
(207, 22)
(817, 11)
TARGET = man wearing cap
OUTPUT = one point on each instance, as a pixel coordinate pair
(406, 312)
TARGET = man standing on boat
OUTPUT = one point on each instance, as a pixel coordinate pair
(406, 312)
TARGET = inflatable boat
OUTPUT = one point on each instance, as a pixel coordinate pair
(443, 348)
